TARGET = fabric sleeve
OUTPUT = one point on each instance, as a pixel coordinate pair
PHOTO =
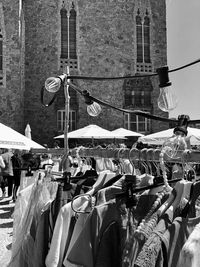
(190, 256)
(109, 251)
(57, 249)
(84, 249)
(77, 230)
(41, 240)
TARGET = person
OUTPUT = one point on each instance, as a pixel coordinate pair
(56, 144)
(46, 160)
(17, 165)
(7, 172)
(2, 166)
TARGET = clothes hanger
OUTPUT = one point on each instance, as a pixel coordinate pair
(88, 195)
(160, 191)
(147, 156)
(103, 178)
(190, 209)
(162, 177)
(180, 192)
(143, 160)
(131, 161)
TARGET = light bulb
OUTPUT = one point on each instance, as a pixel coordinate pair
(52, 84)
(167, 100)
(94, 109)
(173, 145)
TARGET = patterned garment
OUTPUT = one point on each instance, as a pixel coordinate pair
(150, 251)
(136, 241)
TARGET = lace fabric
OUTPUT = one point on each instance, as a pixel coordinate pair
(149, 253)
(136, 241)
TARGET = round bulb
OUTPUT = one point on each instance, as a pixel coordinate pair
(167, 101)
(52, 84)
(173, 145)
(94, 109)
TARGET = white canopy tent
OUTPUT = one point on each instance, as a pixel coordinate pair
(122, 132)
(159, 137)
(91, 131)
(10, 138)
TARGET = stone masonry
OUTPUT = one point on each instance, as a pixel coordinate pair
(11, 90)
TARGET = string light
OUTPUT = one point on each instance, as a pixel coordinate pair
(53, 84)
(167, 100)
(93, 108)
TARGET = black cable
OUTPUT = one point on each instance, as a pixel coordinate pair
(136, 112)
(130, 77)
(110, 78)
(42, 97)
(185, 66)
(103, 103)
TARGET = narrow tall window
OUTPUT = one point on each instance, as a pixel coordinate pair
(146, 28)
(72, 33)
(68, 33)
(139, 36)
(143, 38)
(64, 33)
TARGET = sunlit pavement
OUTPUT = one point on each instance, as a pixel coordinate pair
(6, 229)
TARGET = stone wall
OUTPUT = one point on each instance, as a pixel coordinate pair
(11, 91)
(41, 61)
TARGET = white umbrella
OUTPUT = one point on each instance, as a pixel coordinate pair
(122, 132)
(159, 137)
(28, 131)
(90, 131)
(10, 138)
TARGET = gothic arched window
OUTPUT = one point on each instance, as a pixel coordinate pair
(68, 33)
(146, 34)
(143, 38)
(72, 34)
(139, 37)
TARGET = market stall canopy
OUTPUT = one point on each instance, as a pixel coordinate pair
(121, 132)
(10, 138)
(91, 131)
(159, 137)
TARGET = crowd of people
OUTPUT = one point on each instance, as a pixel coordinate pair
(12, 162)
(10, 172)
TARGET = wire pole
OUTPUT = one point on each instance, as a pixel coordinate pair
(67, 101)
(65, 163)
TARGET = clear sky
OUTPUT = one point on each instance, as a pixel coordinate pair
(183, 40)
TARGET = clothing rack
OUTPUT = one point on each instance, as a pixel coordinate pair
(133, 154)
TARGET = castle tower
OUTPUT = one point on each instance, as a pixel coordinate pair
(94, 38)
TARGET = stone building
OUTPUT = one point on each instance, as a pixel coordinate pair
(98, 38)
